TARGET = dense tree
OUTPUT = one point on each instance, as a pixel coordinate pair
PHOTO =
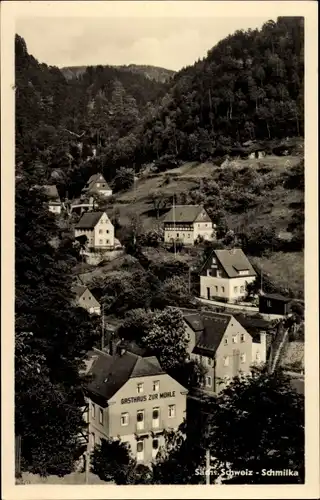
(123, 179)
(60, 335)
(167, 338)
(257, 423)
(110, 460)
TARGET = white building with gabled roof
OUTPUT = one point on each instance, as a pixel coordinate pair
(97, 185)
(98, 229)
(187, 223)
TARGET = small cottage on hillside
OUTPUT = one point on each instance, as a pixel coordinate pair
(223, 346)
(84, 298)
(186, 223)
(274, 303)
(97, 185)
(225, 274)
(54, 202)
(98, 229)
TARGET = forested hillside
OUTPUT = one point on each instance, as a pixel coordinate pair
(152, 72)
(70, 129)
(249, 87)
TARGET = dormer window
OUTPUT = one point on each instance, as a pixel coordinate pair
(244, 272)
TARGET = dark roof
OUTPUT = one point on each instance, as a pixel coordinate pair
(194, 321)
(93, 180)
(79, 290)
(110, 373)
(209, 328)
(233, 261)
(253, 325)
(215, 326)
(184, 213)
(276, 296)
(252, 322)
(89, 220)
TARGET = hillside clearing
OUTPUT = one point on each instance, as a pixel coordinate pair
(285, 269)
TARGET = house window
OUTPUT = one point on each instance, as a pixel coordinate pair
(155, 414)
(140, 446)
(140, 419)
(209, 361)
(189, 235)
(100, 241)
(234, 339)
(226, 341)
(101, 416)
(206, 225)
(107, 231)
(155, 417)
(89, 297)
(155, 444)
(107, 242)
(100, 231)
(244, 272)
(140, 387)
(226, 361)
(258, 357)
(243, 358)
(208, 381)
(93, 410)
(222, 289)
(177, 235)
(209, 273)
(156, 386)
(171, 411)
(235, 289)
(242, 337)
(216, 289)
(98, 184)
(93, 439)
(124, 419)
(103, 185)
(268, 303)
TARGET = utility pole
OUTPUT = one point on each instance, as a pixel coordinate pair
(102, 327)
(174, 228)
(207, 466)
(261, 279)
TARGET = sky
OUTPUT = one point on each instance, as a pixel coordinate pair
(164, 41)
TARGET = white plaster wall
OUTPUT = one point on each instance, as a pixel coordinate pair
(205, 230)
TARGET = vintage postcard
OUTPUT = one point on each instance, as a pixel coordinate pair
(160, 258)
